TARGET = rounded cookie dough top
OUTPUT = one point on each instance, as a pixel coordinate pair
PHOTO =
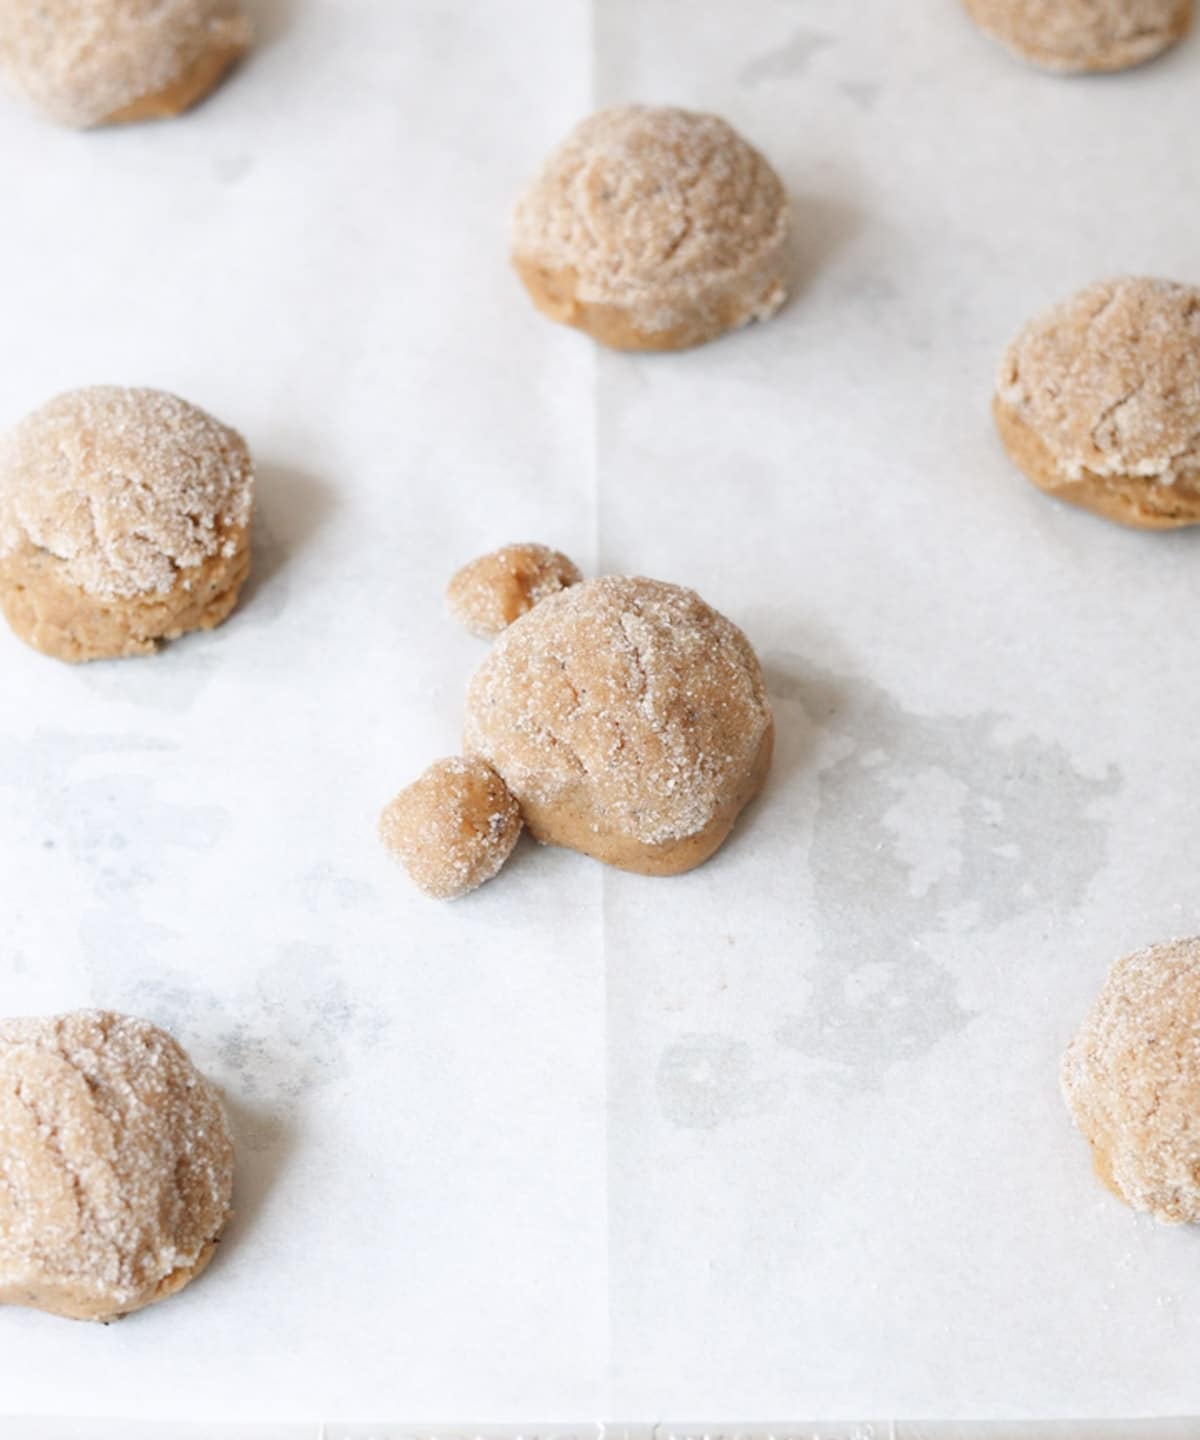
(1109, 380)
(1080, 35)
(1131, 1078)
(648, 206)
(84, 61)
(635, 690)
(127, 488)
(116, 1166)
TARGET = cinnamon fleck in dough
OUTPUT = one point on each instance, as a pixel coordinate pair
(124, 520)
(1131, 1079)
(654, 229)
(629, 719)
(1098, 402)
(1075, 36)
(97, 62)
(452, 829)
(490, 593)
(116, 1166)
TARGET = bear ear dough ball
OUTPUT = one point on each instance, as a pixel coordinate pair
(1098, 402)
(487, 595)
(452, 829)
(124, 521)
(654, 229)
(104, 62)
(1131, 1080)
(1078, 36)
(116, 1165)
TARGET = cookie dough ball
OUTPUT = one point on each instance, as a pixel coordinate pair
(97, 62)
(490, 593)
(124, 520)
(1082, 35)
(116, 1166)
(453, 829)
(1131, 1078)
(1098, 402)
(629, 719)
(654, 229)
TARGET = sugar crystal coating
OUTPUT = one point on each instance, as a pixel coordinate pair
(116, 1165)
(662, 213)
(1109, 380)
(623, 708)
(1081, 35)
(127, 488)
(85, 61)
(1131, 1079)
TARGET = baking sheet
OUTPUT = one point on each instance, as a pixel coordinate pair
(778, 1137)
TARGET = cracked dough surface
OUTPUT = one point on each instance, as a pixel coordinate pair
(629, 719)
(654, 229)
(1082, 35)
(124, 520)
(95, 62)
(116, 1165)
(1098, 401)
(1131, 1079)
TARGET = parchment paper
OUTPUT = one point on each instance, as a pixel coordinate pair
(780, 1137)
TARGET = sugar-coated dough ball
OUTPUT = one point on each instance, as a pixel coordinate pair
(487, 595)
(116, 1165)
(1081, 35)
(1131, 1078)
(629, 719)
(1098, 402)
(124, 520)
(96, 62)
(452, 829)
(654, 229)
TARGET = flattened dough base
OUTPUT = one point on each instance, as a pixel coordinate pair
(565, 824)
(555, 293)
(1136, 500)
(198, 80)
(64, 622)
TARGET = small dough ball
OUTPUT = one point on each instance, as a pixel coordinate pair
(98, 62)
(654, 229)
(1131, 1079)
(452, 829)
(1080, 35)
(629, 719)
(116, 1165)
(490, 593)
(124, 520)
(1098, 402)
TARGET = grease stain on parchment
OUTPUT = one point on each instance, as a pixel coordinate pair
(293, 1027)
(108, 818)
(928, 830)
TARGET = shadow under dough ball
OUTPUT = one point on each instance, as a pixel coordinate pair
(629, 719)
(116, 1165)
(1077, 36)
(1098, 402)
(654, 229)
(101, 62)
(1131, 1079)
(124, 520)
